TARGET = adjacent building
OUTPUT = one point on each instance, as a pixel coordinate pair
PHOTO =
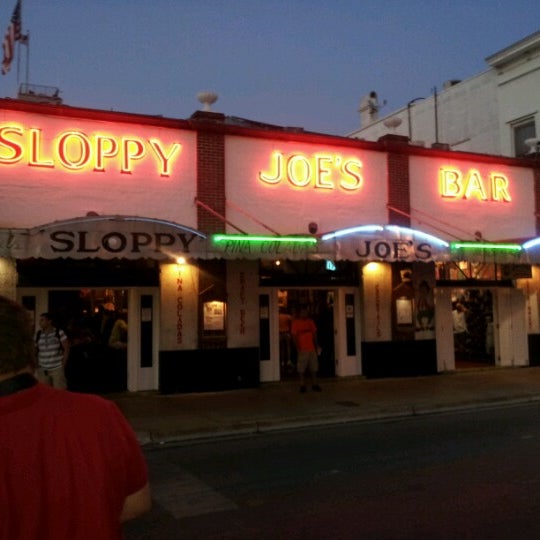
(495, 112)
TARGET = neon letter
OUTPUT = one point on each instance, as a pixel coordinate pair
(16, 149)
(355, 176)
(322, 173)
(475, 186)
(163, 157)
(84, 149)
(35, 138)
(499, 187)
(294, 166)
(128, 154)
(450, 182)
(276, 177)
(106, 147)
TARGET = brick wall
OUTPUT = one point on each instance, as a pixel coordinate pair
(211, 180)
(398, 180)
(211, 192)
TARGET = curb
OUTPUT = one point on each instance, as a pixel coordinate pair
(151, 440)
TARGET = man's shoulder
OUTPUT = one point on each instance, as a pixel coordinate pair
(80, 402)
(59, 332)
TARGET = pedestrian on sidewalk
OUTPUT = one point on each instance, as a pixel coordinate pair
(285, 338)
(70, 464)
(304, 333)
(461, 331)
(52, 346)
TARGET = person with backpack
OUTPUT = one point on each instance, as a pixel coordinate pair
(52, 350)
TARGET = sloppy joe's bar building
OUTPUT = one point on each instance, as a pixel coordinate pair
(207, 234)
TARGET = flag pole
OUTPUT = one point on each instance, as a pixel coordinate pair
(19, 47)
(18, 62)
(27, 42)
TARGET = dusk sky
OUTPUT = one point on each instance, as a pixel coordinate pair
(299, 63)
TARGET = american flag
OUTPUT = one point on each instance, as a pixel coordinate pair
(13, 34)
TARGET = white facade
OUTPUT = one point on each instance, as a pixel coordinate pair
(203, 233)
(494, 112)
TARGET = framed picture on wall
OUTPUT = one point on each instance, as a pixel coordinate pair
(404, 311)
(214, 315)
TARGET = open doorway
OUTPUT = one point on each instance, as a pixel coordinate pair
(472, 315)
(95, 321)
(320, 306)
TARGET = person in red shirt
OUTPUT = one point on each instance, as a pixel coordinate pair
(304, 334)
(70, 464)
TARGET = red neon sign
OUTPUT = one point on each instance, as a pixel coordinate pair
(454, 184)
(75, 150)
(322, 171)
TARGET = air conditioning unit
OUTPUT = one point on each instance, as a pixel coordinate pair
(533, 144)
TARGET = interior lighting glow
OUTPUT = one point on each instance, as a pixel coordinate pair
(485, 246)
(418, 234)
(352, 230)
(270, 239)
(372, 268)
(181, 260)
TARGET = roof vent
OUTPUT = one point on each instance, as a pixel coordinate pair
(440, 146)
(452, 82)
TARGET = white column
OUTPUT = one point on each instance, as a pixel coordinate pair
(444, 330)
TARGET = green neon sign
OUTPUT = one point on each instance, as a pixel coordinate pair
(484, 246)
(263, 239)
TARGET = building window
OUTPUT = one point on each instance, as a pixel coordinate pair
(523, 131)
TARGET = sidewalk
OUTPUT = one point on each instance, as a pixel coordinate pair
(160, 419)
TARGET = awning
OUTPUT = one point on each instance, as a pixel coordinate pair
(135, 237)
(13, 243)
(105, 237)
(389, 243)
